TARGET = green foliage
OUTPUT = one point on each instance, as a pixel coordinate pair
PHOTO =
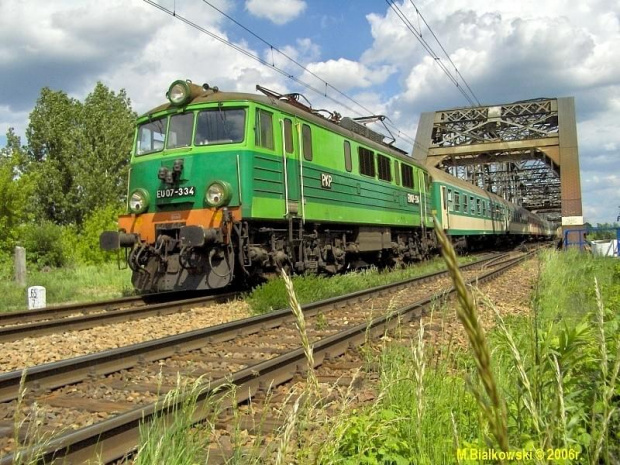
(372, 437)
(69, 284)
(172, 440)
(78, 152)
(44, 244)
(311, 288)
(568, 353)
(402, 427)
(15, 191)
(601, 235)
(87, 246)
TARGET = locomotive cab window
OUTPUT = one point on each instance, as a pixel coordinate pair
(264, 129)
(367, 162)
(151, 136)
(348, 164)
(220, 126)
(306, 135)
(180, 130)
(406, 172)
(383, 163)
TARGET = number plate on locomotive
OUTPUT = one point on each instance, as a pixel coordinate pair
(173, 192)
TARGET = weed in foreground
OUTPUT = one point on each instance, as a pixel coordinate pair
(492, 405)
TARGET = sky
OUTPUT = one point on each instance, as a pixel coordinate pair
(506, 50)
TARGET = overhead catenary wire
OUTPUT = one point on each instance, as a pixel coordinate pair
(420, 16)
(399, 133)
(418, 35)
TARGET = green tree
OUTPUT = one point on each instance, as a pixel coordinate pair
(79, 152)
(15, 191)
(105, 141)
(52, 134)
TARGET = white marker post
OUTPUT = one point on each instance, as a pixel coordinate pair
(36, 297)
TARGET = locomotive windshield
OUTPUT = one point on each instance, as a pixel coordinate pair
(220, 126)
(151, 136)
(213, 126)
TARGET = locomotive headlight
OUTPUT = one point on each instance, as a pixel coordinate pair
(178, 92)
(218, 194)
(138, 201)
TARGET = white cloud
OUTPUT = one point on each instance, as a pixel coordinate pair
(346, 74)
(69, 46)
(277, 11)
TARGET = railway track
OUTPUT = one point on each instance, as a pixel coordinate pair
(15, 326)
(75, 317)
(249, 353)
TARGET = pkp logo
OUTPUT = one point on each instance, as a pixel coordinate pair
(326, 181)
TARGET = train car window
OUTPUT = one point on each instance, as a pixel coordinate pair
(348, 164)
(306, 136)
(450, 200)
(151, 136)
(264, 129)
(367, 162)
(465, 204)
(472, 204)
(478, 207)
(396, 173)
(384, 165)
(457, 201)
(220, 126)
(180, 130)
(407, 175)
(288, 135)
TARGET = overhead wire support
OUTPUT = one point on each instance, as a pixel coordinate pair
(273, 66)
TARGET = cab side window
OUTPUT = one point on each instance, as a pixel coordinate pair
(306, 135)
(264, 129)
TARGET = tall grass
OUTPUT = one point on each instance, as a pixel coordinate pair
(72, 284)
(556, 369)
(312, 288)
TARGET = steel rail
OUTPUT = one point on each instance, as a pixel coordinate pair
(65, 310)
(114, 438)
(14, 333)
(56, 374)
(60, 311)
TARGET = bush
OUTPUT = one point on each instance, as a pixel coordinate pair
(87, 244)
(46, 244)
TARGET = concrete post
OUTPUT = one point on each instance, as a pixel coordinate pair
(20, 266)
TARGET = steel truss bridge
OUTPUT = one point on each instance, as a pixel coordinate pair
(525, 152)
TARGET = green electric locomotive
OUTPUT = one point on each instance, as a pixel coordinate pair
(227, 186)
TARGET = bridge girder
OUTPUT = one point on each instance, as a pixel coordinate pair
(525, 152)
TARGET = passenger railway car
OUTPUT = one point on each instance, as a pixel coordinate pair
(227, 186)
(473, 216)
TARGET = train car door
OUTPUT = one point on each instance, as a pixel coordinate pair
(291, 168)
(445, 216)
